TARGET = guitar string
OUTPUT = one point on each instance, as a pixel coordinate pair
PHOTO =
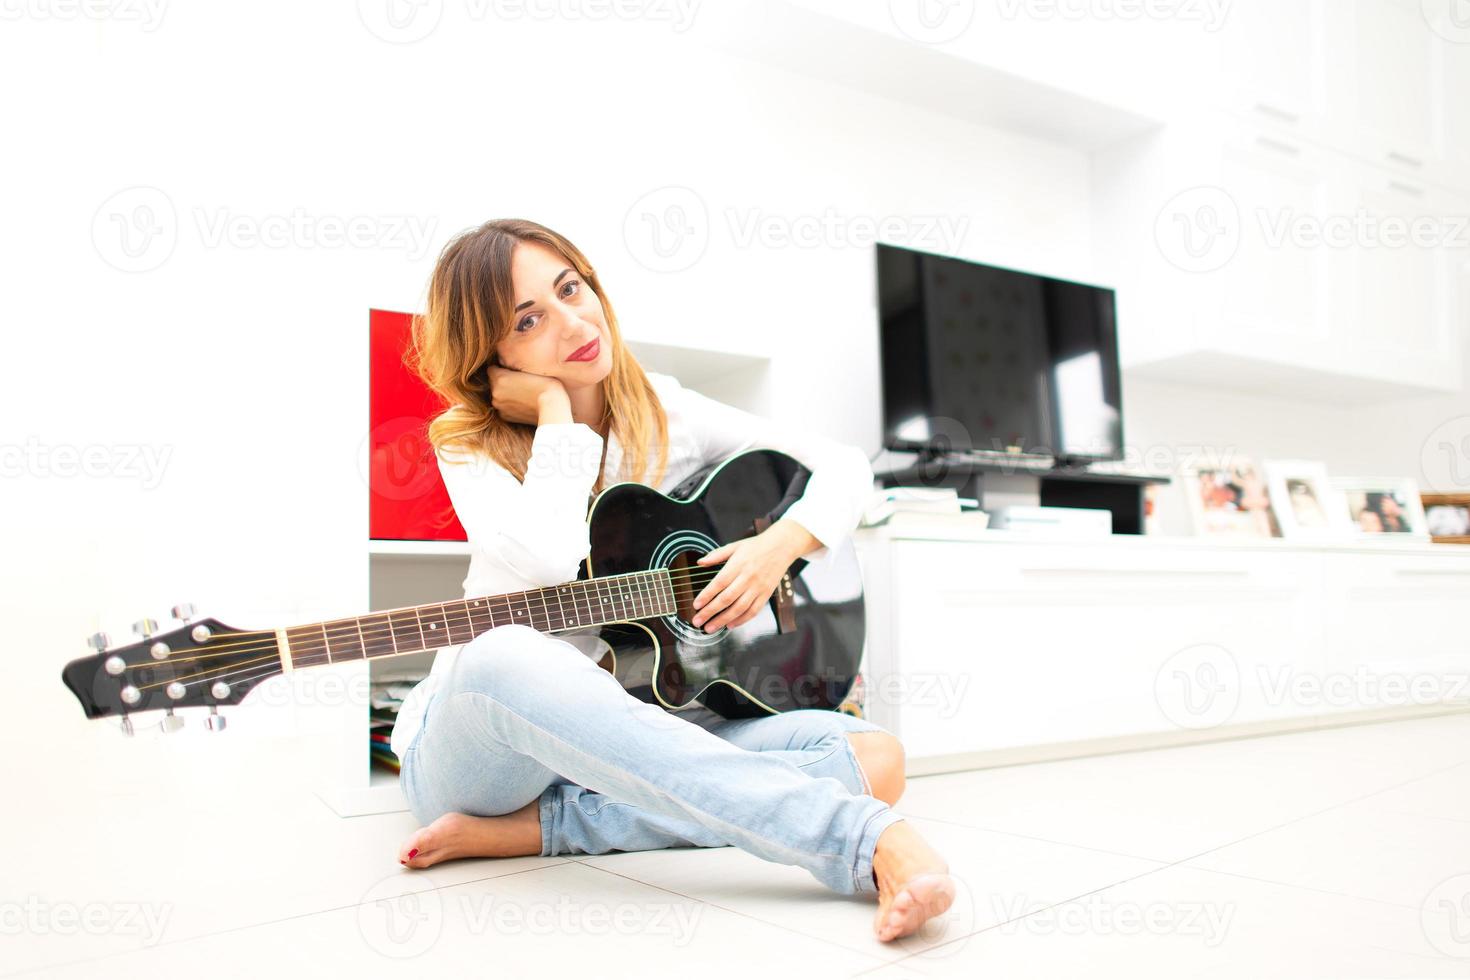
(337, 629)
(210, 675)
(688, 577)
(685, 581)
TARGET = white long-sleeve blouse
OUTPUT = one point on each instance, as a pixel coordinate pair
(533, 533)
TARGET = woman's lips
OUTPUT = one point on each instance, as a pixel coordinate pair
(587, 352)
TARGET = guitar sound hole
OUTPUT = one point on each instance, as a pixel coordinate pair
(689, 580)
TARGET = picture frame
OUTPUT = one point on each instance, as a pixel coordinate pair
(1304, 501)
(1228, 498)
(1374, 505)
(1447, 517)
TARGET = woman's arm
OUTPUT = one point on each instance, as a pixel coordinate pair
(537, 527)
(841, 483)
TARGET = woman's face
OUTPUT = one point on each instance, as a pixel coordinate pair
(555, 314)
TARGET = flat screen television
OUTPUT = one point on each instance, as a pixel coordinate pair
(981, 359)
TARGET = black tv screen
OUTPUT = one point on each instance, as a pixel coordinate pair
(980, 357)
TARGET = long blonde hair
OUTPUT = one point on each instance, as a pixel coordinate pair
(470, 309)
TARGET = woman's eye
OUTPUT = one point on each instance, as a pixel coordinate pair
(527, 319)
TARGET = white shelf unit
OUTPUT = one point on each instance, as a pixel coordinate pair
(993, 648)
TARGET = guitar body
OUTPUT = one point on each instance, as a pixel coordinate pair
(759, 667)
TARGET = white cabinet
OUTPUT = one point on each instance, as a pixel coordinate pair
(1246, 255)
(1456, 118)
(1387, 83)
(1400, 281)
(1273, 61)
(990, 646)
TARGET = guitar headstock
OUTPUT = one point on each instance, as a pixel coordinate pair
(200, 663)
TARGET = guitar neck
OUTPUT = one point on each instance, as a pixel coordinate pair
(415, 629)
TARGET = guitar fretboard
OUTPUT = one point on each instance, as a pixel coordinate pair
(572, 605)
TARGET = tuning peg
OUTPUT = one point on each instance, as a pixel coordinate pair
(98, 642)
(216, 721)
(145, 627)
(127, 725)
(183, 612)
(171, 722)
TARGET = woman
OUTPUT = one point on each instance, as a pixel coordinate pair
(518, 743)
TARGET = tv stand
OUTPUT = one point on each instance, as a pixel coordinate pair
(999, 480)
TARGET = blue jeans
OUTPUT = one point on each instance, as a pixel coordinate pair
(523, 716)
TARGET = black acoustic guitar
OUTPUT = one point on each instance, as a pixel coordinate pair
(637, 587)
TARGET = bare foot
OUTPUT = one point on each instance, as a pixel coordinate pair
(459, 835)
(913, 882)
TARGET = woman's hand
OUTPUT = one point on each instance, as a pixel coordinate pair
(752, 569)
(517, 395)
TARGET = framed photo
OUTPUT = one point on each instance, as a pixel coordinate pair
(1305, 503)
(1386, 508)
(1228, 498)
(1447, 517)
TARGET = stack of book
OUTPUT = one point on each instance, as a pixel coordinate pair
(917, 500)
(386, 696)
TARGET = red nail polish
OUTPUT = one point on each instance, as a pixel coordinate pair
(412, 853)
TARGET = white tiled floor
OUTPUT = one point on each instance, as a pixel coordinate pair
(1337, 852)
